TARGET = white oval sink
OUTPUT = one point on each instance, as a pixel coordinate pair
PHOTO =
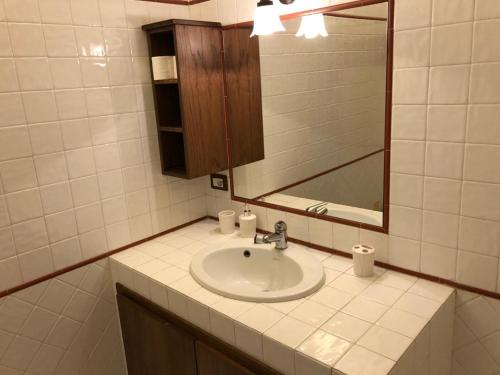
(258, 273)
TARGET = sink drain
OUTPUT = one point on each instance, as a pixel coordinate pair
(247, 253)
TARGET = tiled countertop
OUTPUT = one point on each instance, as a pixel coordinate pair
(378, 325)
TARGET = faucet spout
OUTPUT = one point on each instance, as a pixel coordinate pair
(279, 237)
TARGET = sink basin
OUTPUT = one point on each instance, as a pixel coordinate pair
(258, 273)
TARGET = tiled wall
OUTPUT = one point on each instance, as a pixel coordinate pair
(79, 161)
(444, 189)
(65, 326)
(326, 91)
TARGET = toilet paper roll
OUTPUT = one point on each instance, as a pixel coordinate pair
(364, 260)
(227, 221)
(164, 67)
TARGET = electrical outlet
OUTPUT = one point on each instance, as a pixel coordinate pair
(219, 182)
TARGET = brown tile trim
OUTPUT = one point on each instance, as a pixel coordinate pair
(321, 174)
(86, 262)
(388, 117)
(391, 267)
(345, 15)
(177, 2)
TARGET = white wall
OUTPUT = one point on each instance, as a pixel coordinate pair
(79, 175)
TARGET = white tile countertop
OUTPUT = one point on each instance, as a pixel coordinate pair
(390, 323)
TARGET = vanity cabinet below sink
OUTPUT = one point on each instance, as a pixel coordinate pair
(157, 342)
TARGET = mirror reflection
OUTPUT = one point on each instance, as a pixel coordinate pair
(323, 110)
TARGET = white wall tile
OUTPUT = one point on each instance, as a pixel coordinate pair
(61, 226)
(55, 11)
(24, 205)
(446, 12)
(30, 235)
(417, 79)
(477, 270)
(86, 14)
(412, 14)
(409, 122)
(479, 236)
(40, 106)
(438, 261)
(22, 10)
(405, 222)
(444, 160)
(481, 200)
(406, 190)
(412, 48)
(8, 76)
(478, 163)
(18, 174)
(451, 44)
(449, 84)
(408, 157)
(446, 123)
(484, 79)
(442, 195)
(85, 190)
(60, 41)
(45, 138)
(56, 198)
(66, 73)
(27, 40)
(51, 168)
(11, 109)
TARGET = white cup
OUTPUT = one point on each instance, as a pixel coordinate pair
(226, 221)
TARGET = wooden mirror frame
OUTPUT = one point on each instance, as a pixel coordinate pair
(388, 120)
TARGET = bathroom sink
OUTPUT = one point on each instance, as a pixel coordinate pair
(258, 273)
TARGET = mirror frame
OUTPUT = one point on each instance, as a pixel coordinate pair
(388, 121)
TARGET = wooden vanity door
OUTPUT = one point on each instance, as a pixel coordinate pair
(213, 362)
(152, 345)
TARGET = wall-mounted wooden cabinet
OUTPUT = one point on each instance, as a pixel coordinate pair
(190, 109)
(244, 97)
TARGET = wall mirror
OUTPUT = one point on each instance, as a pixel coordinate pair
(310, 132)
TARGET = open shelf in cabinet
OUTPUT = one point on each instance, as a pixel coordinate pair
(174, 161)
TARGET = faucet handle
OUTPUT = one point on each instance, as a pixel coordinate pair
(258, 239)
(280, 227)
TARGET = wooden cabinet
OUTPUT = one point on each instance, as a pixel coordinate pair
(218, 82)
(190, 109)
(152, 345)
(244, 97)
(158, 342)
(213, 362)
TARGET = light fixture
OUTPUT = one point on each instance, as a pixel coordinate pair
(311, 26)
(266, 20)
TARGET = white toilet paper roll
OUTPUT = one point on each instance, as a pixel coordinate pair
(164, 67)
(364, 260)
(227, 221)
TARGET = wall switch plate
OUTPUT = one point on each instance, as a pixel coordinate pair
(219, 182)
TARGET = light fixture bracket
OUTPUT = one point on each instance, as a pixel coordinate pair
(263, 3)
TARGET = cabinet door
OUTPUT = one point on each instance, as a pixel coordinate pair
(213, 362)
(152, 345)
(244, 96)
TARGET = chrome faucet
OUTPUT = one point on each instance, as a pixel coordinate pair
(318, 208)
(279, 237)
